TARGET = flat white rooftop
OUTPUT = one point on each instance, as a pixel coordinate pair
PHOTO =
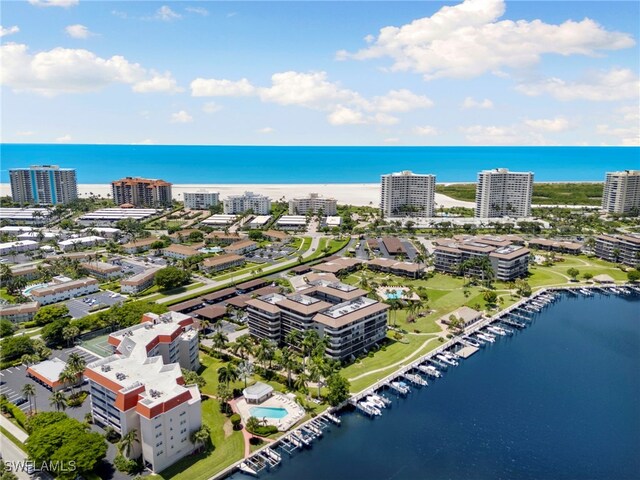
(292, 220)
(333, 221)
(220, 219)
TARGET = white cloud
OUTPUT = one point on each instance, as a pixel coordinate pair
(468, 40)
(202, 87)
(391, 140)
(164, 83)
(8, 31)
(165, 14)
(266, 130)
(211, 107)
(502, 135)
(198, 10)
(401, 101)
(630, 113)
(181, 117)
(426, 130)
(25, 133)
(627, 136)
(78, 31)
(313, 90)
(558, 124)
(616, 84)
(146, 141)
(64, 139)
(470, 102)
(64, 70)
(54, 3)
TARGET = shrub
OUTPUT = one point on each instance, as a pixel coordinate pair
(14, 411)
(126, 465)
(111, 435)
(265, 430)
(235, 420)
(77, 399)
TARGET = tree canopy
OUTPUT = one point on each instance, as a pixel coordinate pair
(171, 277)
(50, 313)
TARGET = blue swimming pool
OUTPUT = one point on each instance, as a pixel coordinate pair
(27, 290)
(393, 294)
(269, 412)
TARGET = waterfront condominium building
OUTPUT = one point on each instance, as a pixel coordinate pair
(140, 387)
(200, 200)
(466, 254)
(342, 314)
(313, 204)
(43, 185)
(619, 248)
(141, 192)
(501, 193)
(622, 192)
(258, 204)
(407, 194)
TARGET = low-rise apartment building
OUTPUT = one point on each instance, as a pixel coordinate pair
(222, 262)
(103, 270)
(277, 235)
(623, 249)
(405, 269)
(21, 312)
(180, 252)
(138, 283)
(508, 261)
(560, 246)
(138, 246)
(64, 291)
(224, 238)
(13, 248)
(241, 247)
(81, 242)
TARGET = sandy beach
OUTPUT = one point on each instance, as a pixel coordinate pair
(360, 194)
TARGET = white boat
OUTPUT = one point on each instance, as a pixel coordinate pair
(430, 370)
(372, 399)
(486, 338)
(245, 468)
(497, 330)
(373, 409)
(446, 360)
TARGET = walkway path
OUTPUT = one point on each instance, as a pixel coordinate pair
(229, 281)
(399, 362)
(13, 430)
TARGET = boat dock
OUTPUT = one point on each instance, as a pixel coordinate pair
(467, 351)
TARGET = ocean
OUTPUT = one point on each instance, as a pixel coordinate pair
(296, 165)
(559, 400)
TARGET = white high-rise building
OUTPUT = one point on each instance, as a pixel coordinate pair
(43, 184)
(258, 204)
(140, 387)
(622, 192)
(200, 200)
(407, 194)
(313, 203)
(501, 193)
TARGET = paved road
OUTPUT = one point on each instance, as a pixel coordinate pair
(12, 454)
(315, 241)
(13, 430)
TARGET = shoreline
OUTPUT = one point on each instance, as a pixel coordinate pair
(356, 194)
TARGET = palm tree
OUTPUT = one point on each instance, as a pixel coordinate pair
(68, 378)
(58, 400)
(287, 361)
(252, 424)
(311, 339)
(245, 370)
(29, 391)
(265, 352)
(315, 375)
(69, 334)
(202, 436)
(243, 346)
(293, 338)
(76, 363)
(227, 374)
(126, 444)
(301, 382)
(219, 340)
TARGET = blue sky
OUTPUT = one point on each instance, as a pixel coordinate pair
(478, 72)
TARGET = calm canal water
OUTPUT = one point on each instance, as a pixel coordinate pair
(558, 400)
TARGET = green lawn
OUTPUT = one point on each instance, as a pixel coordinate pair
(12, 438)
(167, 293)
(543, 193)
(228, 448)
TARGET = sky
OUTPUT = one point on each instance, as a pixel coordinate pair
(472, 72)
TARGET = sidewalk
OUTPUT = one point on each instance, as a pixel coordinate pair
(12, 429)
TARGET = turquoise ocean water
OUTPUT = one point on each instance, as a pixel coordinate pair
(232, 164)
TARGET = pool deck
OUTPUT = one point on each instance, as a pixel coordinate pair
(395, 293)
(294, 411)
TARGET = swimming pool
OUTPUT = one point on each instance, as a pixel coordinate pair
(210, 250)
(31, 287)
(393, 294)
(269, 412)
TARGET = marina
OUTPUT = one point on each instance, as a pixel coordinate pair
(373, 403)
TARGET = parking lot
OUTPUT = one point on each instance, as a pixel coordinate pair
(13, 379)
(269, 254)
(81, 306)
